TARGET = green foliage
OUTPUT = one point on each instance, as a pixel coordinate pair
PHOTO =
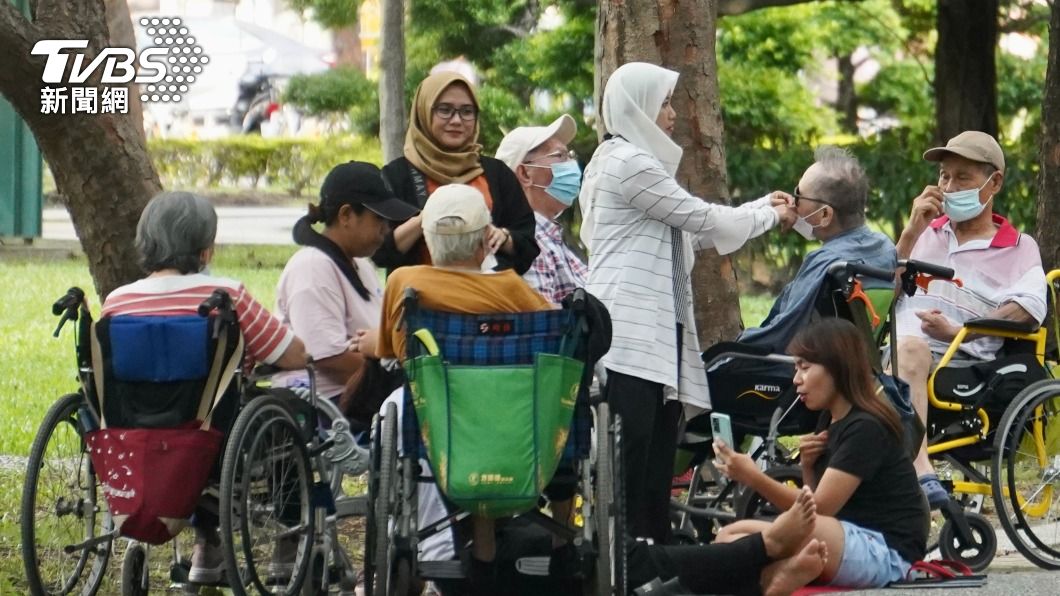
(295, 165)
(331, 14)
(339, 91)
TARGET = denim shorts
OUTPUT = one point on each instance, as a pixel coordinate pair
(867, 560)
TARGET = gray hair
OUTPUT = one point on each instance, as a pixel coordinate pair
(174, 229)
(447, 249)
(843, 183)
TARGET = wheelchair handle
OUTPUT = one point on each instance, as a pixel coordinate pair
(219, 300)
(846, 268)
(913, 267)
(71, 300)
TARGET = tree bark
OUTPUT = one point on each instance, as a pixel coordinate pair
(965, 68)
(123, 34)
(99, 161)
(393, 118)
(1048, 233)
(347, 45)
(846, 97)
(681, 36)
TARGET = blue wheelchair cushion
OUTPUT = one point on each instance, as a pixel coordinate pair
(160, 349)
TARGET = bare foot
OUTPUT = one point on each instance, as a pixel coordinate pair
(790, 530)
(795, 572)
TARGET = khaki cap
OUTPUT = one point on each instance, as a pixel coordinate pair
(971, 144)
(459, 201)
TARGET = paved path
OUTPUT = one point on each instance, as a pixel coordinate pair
(235, 225)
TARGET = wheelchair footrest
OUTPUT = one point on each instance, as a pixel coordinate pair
(441, 569)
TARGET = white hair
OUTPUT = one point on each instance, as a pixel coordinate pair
(446, 249)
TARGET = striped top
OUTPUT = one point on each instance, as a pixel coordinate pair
(266, 338)
(634, 206)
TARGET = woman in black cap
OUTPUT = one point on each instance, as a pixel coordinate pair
(330, 289)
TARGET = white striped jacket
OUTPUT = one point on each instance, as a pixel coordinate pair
(631, 203)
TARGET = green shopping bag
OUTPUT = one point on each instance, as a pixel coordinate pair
(494, 434)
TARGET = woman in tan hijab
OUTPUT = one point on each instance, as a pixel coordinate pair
(441, 148)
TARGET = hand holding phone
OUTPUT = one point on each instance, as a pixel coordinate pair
(721, 428)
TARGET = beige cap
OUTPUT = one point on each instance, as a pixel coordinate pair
(520, 141)
(974, 145)
(459, 201)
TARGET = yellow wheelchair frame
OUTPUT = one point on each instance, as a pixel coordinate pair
(1034, 406)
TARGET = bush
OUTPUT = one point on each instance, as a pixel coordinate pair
(295, 165)
(343, 91)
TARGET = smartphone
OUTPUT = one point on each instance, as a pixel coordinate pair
(721, 428)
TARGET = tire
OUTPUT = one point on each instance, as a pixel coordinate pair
(62, 505)
(384, 504)
(1026, 470)
(608, 506)
(266, 442)
(134, 572)
(751, 505)
(979, 553)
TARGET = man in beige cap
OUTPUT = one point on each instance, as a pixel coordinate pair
(455, 224)
(953, 224)
(551, 179)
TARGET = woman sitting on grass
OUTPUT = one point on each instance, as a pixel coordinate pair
(871, 513)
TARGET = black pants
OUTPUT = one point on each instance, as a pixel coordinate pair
(732, 568)
(649, 443)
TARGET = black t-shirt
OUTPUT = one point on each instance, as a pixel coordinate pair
(889, 499)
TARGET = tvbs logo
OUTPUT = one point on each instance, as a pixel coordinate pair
(119, 64)
(164, 70)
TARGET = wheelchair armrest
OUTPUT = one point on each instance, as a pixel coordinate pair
(983, 323)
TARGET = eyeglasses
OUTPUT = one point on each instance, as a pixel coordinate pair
(799, 197)
(556, 155)
(446, 112)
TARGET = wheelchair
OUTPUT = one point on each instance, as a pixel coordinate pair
(761, 402)
(993, 427)
(460, 360)
(68, 530)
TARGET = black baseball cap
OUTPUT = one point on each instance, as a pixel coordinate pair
(361, 183)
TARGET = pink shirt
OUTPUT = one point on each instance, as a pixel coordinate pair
(1006, 268)
(321, 306)
(266, 338)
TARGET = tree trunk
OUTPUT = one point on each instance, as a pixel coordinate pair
(681, 36)
(846, 102)
(965, 68)
(392, 112)
(122, 34)
(347, 45)
(100, 162)
(1048, 233)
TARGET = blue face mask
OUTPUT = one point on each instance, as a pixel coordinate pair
(963, 205)
(566, 181)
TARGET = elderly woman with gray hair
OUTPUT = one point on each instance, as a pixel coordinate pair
(175, 239)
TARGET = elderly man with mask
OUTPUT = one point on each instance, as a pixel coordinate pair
(830, 203)
(551, 179)
(953, 224)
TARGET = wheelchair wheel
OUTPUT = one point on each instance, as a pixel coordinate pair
(265, 508)
(382, 497)
(1026, 473)
(977, 554)
(63, 518)
(751, 505)
(609, 506)
(134, 572)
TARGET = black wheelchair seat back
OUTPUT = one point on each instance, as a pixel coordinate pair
(155, 369)
(989, 385)
(751, 395)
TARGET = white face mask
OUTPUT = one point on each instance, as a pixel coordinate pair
(805, 228)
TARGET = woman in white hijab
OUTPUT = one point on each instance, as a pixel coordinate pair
(642, 230)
